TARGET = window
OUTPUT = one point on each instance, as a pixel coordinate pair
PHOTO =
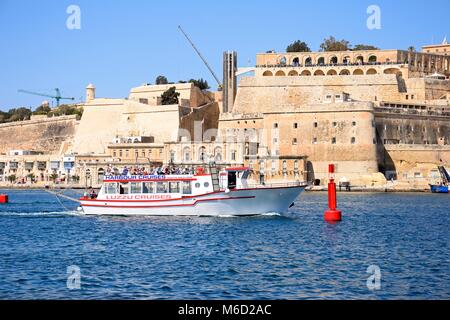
(334, 124)
(233, 155)
(162, 187)
(314, 141)
(354, 123)
(136, 154)
(275, 125)
(135, 187)
(143, 153)
(111, 188)
(114, 154)
(187, 187)
(120, 153)
(174, 187)
(294, 141)
(197, 185)
(206, 184)
(127, 153)
(148, 187)
(333, 140)
(315, 124)
(295, 125)
(353, 141)
(123, 188)
(142, 100)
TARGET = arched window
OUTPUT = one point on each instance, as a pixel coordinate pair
(344, 72)
(331, 72)
(360, 59)
(267, 73)
(283, 61)
(280, 74)
(293, 73)
(308, 61)
(218, 154)
(319, 73)
(373, 59)
(172, 156)
(202, 154)
(371, 71)
(334, 60)
(186, 154)
(358, 72)
(296, 62)
(346, 60)
(100, 175)
(321, 61)
(306, 73)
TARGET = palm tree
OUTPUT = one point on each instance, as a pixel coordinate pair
(12, 178)
(53, 177)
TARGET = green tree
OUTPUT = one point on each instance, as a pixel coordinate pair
(331, 44)
(31, 177)
(170, 96)
(19, 114)
(412, 49)
(12, 178)
(360, 47)
(53, 177)
(161, 80)
(200, 83)
(42, 110)
(298, 46)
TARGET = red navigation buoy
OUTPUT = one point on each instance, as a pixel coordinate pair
(332, 214)
(3, 198)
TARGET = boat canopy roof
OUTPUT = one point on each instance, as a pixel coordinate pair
(140, 178)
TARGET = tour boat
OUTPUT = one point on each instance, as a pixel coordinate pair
(226, 193)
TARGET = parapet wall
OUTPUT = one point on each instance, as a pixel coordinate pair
(47, 135)
(258, 94)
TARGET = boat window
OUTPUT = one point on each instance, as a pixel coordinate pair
(111, 188)
(206, 184)
(123, 188)
(174, 187)
(162, 187)
(135, 187)
(187, 187)
(197, 185)
(148, 187)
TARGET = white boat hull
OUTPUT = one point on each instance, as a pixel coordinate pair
(242, 202)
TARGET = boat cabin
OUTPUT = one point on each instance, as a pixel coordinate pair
(172, 186)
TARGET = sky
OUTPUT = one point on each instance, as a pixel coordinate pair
(124, 43)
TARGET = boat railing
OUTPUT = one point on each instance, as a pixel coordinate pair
(276, 185)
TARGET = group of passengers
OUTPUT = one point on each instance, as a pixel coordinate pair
(162, 170)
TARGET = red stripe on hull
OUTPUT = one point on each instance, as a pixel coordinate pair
(166, 206)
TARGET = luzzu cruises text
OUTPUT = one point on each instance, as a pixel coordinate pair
(213, 194)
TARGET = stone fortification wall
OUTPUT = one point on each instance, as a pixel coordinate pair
(268, 93)
(43, 134)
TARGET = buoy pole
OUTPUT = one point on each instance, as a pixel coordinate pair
(3, 198)
(332, 214)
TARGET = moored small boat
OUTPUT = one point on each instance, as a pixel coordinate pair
(445, 181)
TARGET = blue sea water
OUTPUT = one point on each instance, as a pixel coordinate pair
(295, 256)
